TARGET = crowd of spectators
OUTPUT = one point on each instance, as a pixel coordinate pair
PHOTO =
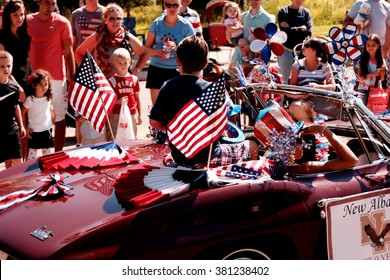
(44, 39)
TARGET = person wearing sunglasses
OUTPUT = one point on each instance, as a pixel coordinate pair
(110, 36)
(313, 70)
(164, 34)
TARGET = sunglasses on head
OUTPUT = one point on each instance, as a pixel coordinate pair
(113, 19)
(168, 5)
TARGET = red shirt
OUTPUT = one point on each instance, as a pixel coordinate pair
(125, 86)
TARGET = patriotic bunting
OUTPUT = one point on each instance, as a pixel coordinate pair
(54, 185)
(146, 185)
(89, 157)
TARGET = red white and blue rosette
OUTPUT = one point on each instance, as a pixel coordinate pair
(345, 44)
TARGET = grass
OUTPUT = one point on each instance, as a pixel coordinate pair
(325, 13)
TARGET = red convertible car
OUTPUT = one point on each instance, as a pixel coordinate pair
(126, 208)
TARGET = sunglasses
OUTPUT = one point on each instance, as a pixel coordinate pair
(168, 5)
(112, 19)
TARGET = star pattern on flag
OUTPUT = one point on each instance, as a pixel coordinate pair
(213, 99)
(242, 172)
(87, 77)
(83, 21)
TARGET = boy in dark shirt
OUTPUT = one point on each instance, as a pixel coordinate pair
(11, 123)
(192, 58)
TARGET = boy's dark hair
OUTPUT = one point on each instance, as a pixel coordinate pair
(317, 45)
(193, 54)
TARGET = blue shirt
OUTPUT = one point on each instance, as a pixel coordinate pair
(181, 30)
(260, 19)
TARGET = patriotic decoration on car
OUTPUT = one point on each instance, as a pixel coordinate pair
(268, 40)
(53, 186)
(146, 185)
(88, 157)
(345, 44)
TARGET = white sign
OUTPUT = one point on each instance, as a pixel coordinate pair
(358, 226)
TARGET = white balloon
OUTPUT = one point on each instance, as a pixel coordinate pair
(257, 45)
(279, 37)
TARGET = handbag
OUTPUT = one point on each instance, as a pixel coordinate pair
(125, 124)
(378, 99)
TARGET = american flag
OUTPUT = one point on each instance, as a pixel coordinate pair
(244, 170)
(90, 93)
(88, 26)
(201, 121)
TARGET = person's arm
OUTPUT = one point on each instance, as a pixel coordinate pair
(19, 119)
(138, 107)
(150, 40)
(67, 46)
(386, 45)
(156, 124)
(139, 51)
(88, 45)
(293, 76)
(347, 20)
(52, 114)
(346, 158)
(24, 111)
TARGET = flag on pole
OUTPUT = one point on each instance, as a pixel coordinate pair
(201, 121)
(90, 93)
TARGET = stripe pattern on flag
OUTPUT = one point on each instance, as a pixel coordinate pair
(90, 93)
(201, 121)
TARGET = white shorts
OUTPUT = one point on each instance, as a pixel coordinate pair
(60, 98)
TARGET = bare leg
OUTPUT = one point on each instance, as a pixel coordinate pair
(153, 94)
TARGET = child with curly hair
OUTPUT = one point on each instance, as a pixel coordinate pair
(38, 114)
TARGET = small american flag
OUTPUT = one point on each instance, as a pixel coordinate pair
(245, 169)
(90, 93)
(201, 121)
(88, 26)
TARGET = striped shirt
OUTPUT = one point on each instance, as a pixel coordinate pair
(317, 76)
(194, 18)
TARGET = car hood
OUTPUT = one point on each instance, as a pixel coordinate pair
(90, 205)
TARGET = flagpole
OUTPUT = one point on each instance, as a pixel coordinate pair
(209, 157)
(101, 99)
